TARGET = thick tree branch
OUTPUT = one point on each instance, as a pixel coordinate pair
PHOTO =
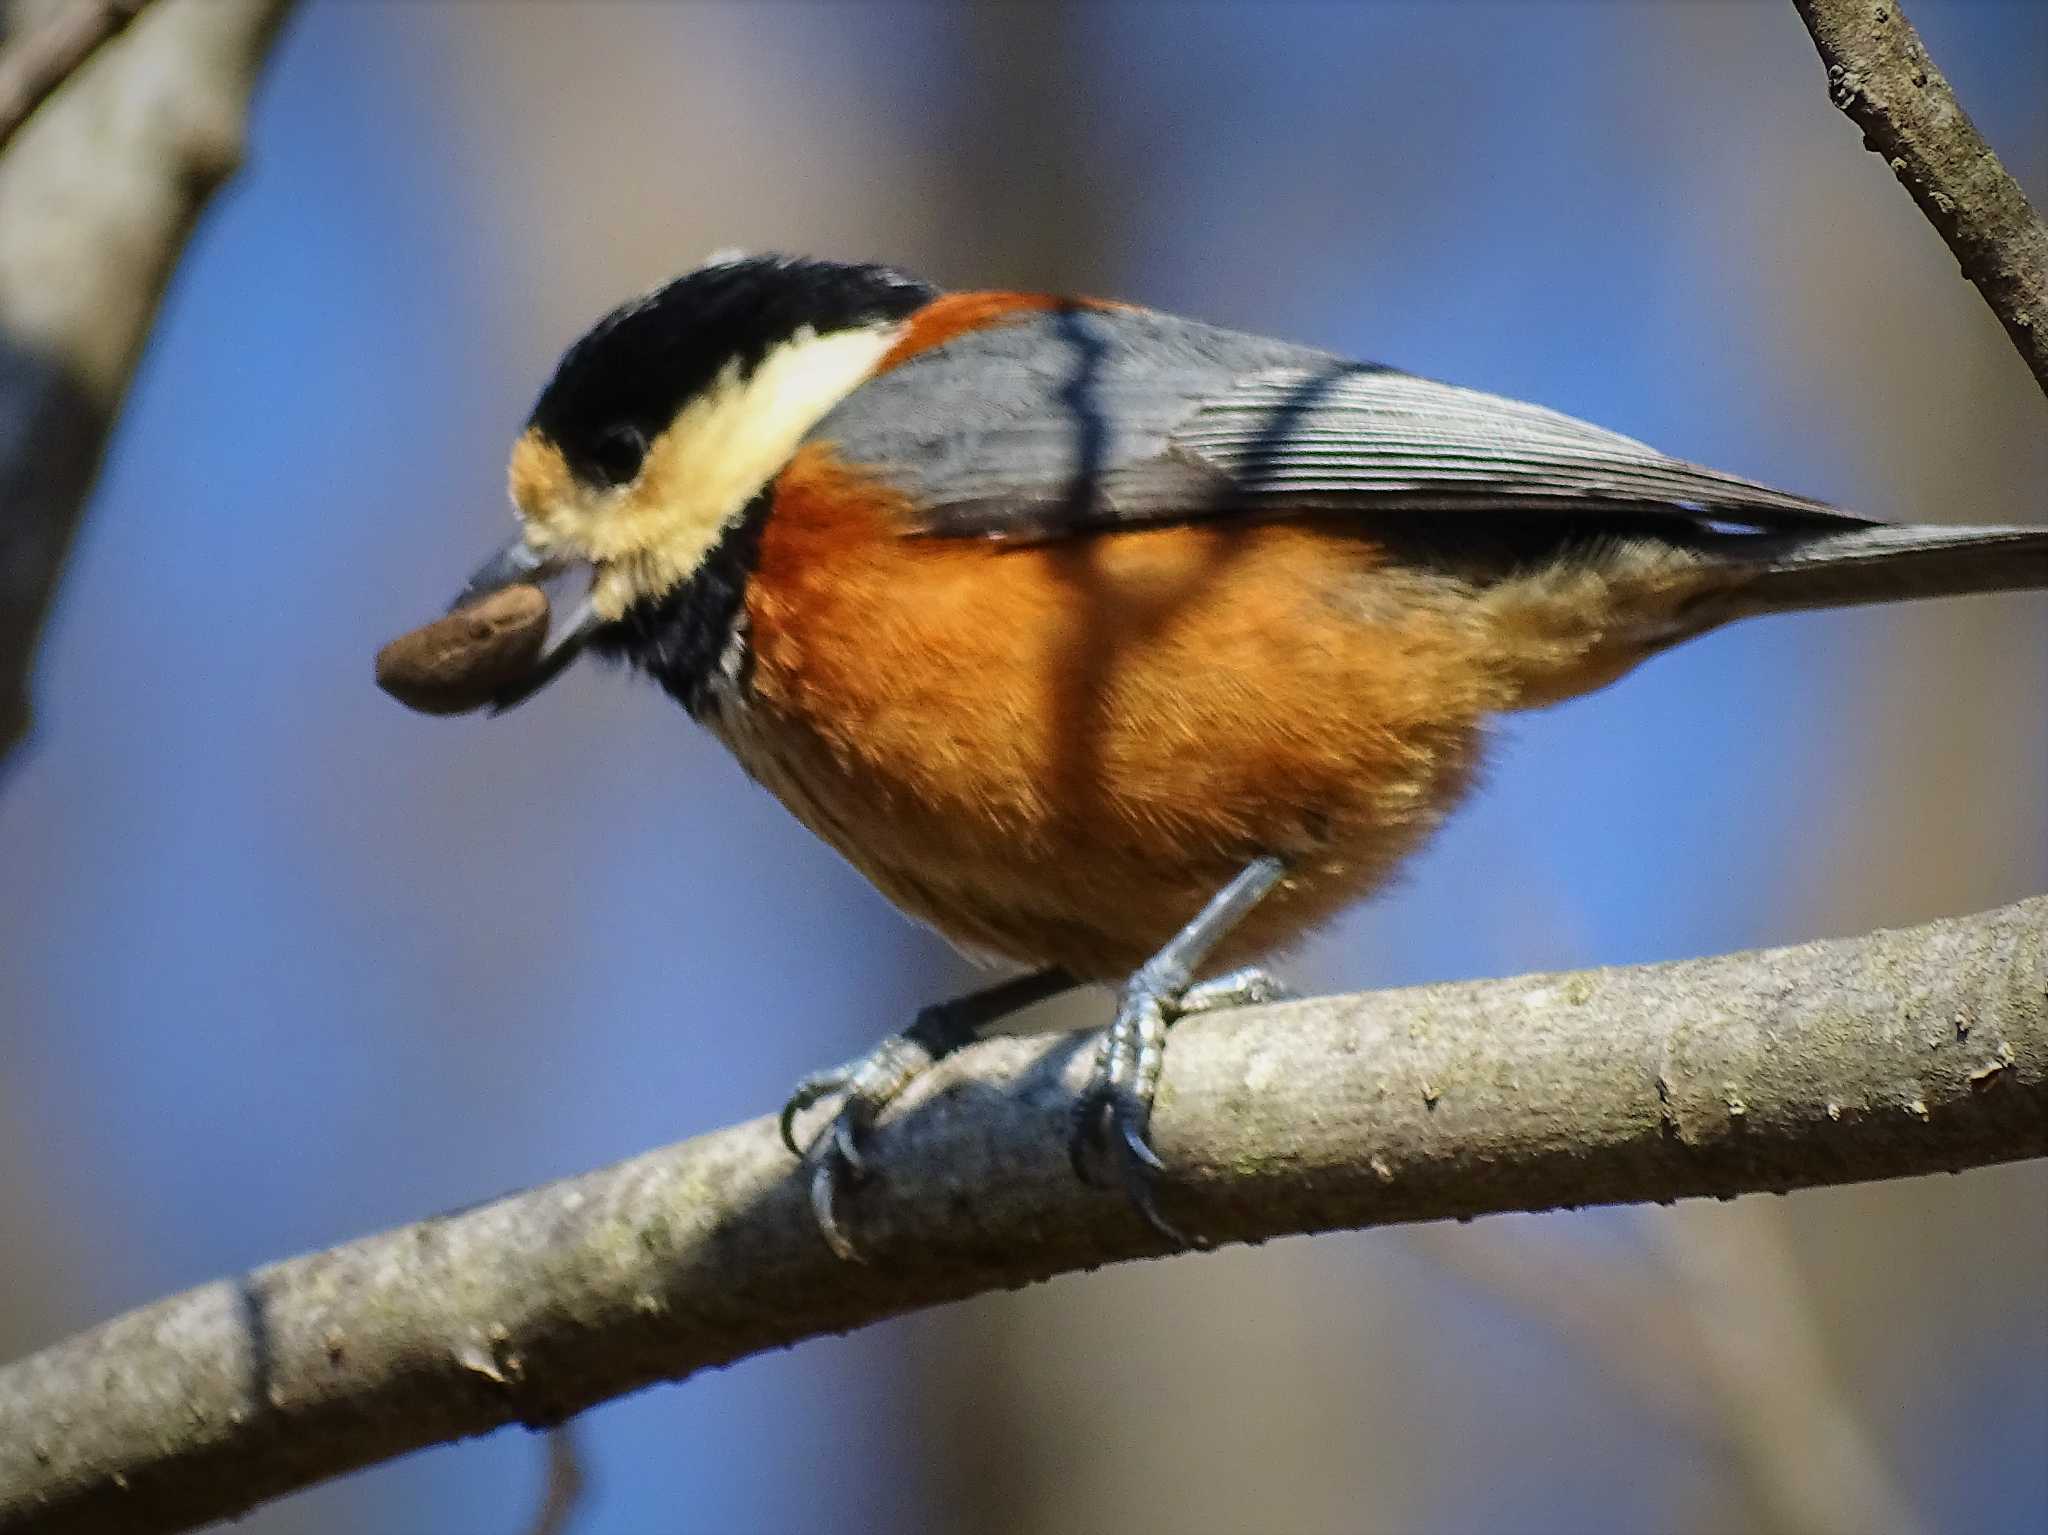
(1894, 1054)
(1881, 76)
(35, 65)
(98, 194)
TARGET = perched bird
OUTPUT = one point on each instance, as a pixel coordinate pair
(1116, 647)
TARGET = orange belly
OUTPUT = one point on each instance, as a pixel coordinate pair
(1056, 753)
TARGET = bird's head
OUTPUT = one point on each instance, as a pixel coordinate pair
(671, 415)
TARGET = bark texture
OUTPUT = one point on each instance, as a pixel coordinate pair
(1894, 1054)
(98, 193)
(1879, 73)
(35, 65)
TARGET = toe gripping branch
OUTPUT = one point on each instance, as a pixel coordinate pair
(1111, 1143)
(836, 1156)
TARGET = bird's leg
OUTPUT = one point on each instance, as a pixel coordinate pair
(870, 1083)
(1113, 1116)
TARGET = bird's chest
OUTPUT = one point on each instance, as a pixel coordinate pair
(1056, 754)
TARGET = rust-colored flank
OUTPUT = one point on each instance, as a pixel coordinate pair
(958, 313)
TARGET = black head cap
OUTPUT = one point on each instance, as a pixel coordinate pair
(624, 382)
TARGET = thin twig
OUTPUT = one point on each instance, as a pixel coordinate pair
(1880, 74)
(1717, 1338)
(34, 66)
(1807, 1459)
(1882, 1056)
(562, 1498)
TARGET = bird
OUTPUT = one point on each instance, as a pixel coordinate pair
(1118, 648)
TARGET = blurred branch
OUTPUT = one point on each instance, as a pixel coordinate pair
(1810, 1467)
(1717, 1338)
(1879, 73)
(98, 193)
(566, 1486)
(1894, 1054)
(37, 64)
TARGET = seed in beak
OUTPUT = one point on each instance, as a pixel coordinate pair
(463, 661)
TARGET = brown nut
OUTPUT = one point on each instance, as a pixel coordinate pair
(463, 661)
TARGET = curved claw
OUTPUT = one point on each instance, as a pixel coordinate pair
(819, 1084)
(845, 1147)
(1140, 1165)
(835, 1157)
(794, 1105)
(1109, 1148)
(1089, 1132)
(1132, 1052)
(1139, 1191)
(836, 1160)
(1140, 1148)
(1109, 1129)
(824, 1202)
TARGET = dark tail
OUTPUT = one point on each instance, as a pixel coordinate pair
(1892, 563)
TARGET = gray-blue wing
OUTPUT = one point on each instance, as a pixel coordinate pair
(1087, 419)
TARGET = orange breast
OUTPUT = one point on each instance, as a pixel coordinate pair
(1057, 752)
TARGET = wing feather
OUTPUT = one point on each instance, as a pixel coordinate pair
(1382, 434)
(1076, 420)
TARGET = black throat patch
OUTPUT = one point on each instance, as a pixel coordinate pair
(681, 638)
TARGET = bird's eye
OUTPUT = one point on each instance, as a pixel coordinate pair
(617, 454)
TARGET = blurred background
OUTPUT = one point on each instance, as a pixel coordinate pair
(284, 964)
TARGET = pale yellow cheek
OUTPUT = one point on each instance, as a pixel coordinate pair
(539, 481)
(699, 473)
(560, 513)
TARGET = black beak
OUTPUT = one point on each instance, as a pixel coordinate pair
(518, 562)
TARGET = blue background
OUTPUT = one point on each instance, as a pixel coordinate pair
(285, 964)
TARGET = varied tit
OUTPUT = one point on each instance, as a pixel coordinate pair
(1117, 647)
